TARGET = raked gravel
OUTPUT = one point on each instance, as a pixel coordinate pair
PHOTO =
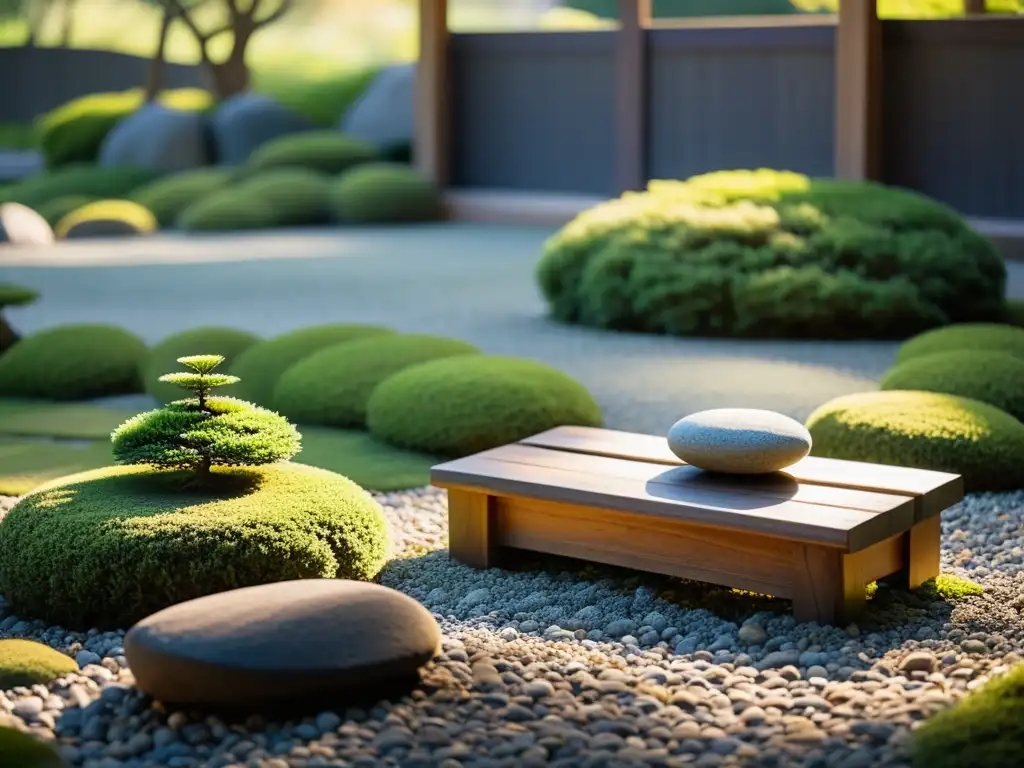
(556, 666)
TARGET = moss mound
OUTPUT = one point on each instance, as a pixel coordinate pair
(169, 196)
(332, 386)
(27, 663)
(146, 541)
(991, 337)
(995, 378)
(85, 180)
(296, 196)
(212, 340)
(925, 430)
(56, 209)
(23, 750)
(225, 211)
(73, 362)
(1014, 313)
(460, 405)
(107, 218)
(261, 365)
(985, 729)
(328, 152)
(771, 254)
(385, 193)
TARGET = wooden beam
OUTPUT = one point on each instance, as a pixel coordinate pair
(858, 65)
(432, 139)
(631, 88)
(972, 7)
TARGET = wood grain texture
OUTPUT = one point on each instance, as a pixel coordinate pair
(921, 555)
(470, 528)
(631, 92)
(858, 103)
(432, 139)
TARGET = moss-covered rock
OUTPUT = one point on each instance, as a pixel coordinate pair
(990, 337)
(19, 749)
(296, 196)
(97, 182)
(145, 539)
(925, 430)
(208, 340)
(385, 193)
(261, 365)
(331, 387)
(461, 405)
(55, 210)
(327, 151)
(168, 197)
(73, 362)
(227, 210)
(107, 218)
(995, 378)
(27, 663)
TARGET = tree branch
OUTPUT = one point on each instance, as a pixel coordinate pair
(286, 5)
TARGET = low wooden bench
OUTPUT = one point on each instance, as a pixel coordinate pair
(818, 533)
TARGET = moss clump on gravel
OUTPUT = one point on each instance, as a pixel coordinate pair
(19, 749)
(261, 365)
(385, 193)
(995, 378)
(24, 663)
(985, 729)
(988, 337)
(73, 362)
(169, 196)
(108, 182)
(771, 254)
(145, 539)
(327, 151)
(227, 210)
(925, 430)
(460, 405)
(215, 340)
(951, 587)
(331, 387)
(107, 218)
(296, 196)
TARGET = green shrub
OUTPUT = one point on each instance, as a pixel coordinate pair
(324, 151)
(985, 729)
(17, 137)
(461, 405)
(332, 386)
(90, 180)
(1014, 313)
(19, 749)
(74, 132)
(225, 211)
(261, 365)
(56, 209)
(925, 430)
(104, 218)
(169, 196)
(145, 539)
(226, 342)
(322, 99)
(73, 362)
(384, 193)
(995, 378)
(12, 296)
(771, 254)
(24, 663)
(296, 196)
(991, 337)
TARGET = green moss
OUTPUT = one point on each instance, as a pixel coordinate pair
(83, 180)
(12, 295)
(214, 340)
(368, 462)
(168, 197)
(766, 253)
(296, 196)
(1014, 313)
(105, 218)
(948, 587)
(385, 193)
(991, 337)
(925, 430)
(145, 541)
(261, 365)
(74, 421)
(323, 151)
(460, 405)
(59, 207)
(24, 663)
(72, 362)
(985, 729)
(225, 211)
(332, 386)
(19, 749)
(995, 378)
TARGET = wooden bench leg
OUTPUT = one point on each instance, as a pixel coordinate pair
(828, 586)
(922, 553)
(469, 528)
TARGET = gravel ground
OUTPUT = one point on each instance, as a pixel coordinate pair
(554, 665)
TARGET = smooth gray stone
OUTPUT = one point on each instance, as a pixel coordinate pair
(20, 225)
(739, 440)
(247, 121)
(159, 138)
(382, 115)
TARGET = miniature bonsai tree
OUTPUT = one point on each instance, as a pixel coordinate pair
(12, 296)
(204, 431)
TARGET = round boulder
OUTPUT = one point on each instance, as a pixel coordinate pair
(281, 642)
(383, 114)
(744, 441)
(20, 225)
(247, 121)
(158, 138)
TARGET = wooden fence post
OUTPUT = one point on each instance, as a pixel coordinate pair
(432, 139)
(858, 65)
(631, 88)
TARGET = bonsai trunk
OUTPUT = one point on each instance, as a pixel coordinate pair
(203, 473)
(155, 77)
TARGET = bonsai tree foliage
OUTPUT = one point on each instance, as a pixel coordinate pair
(204, 431)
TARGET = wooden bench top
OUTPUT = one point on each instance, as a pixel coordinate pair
(843, 504)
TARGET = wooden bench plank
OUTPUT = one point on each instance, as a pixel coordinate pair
(933, 491)
(847, 529)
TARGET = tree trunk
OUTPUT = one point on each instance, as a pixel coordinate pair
(67, 23)
(157, 67)
(231, 76)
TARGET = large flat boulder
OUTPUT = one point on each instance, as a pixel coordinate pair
(159, 138)
(247, 121)
(383, 115)
(281, 643)
(20, 225)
